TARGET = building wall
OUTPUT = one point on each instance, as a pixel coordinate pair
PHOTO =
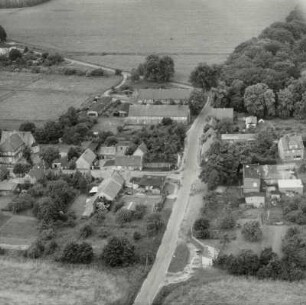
(298, 190)
(11, 158)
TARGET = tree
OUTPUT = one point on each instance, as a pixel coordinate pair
(27, 126)
(135, 75)
(213, 179)
(14, 54)
(74, 152)
(46, 210)
(27, 154)
(118, 252)
(158, 69)
(3, 34)
(205, 76)
(266, 256)
(49, 154)
(111, 140)
(259, 100)
(197, 101)
(251, 231)
(167, 121)
(21, 168)
(201, 228)
(75, 253)
(285, 105)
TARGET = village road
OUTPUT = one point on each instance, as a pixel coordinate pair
(190, 173)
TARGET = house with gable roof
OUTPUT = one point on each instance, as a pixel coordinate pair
(291, 148)
(11, 149)
(86, 160)
(141, 150)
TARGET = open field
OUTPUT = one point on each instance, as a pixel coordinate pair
(38, 98)
(33, 282)
(222, 289)
(180, 258)
(192, 31)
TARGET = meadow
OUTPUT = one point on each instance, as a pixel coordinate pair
(25, 282)
(212, 287)
(39, 98)
(121, 33)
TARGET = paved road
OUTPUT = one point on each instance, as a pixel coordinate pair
(190, 173)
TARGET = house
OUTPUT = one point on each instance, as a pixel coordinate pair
(154, 184)
(291, 148)
(122, 110)
(222, 113)
(98, 106)
(26, 136)
(61, 163)
(11, 149)
(291, 186)
(7, 187)
(256, 200)
(129, 162)
(250, 122)
(141, 150)
(4, 172)
(241, 137)
(153, 114)
(271, 174)
(107, 152)
(86, 160)
(122, 147)
(107, 190)
(35, 174)
(251, 178)
(165, 96)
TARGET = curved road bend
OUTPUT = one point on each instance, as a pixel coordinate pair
(190, 173)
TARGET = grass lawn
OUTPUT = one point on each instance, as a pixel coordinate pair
(39, 98)
(19, 230)
(35, 282)
(180, 258)
(288, 126)
(108, 124)
(211, 287)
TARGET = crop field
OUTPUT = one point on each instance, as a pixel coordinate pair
(223, 289)
(192, 31)
(34, 282)
(29, 97)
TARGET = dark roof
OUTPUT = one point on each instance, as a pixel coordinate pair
(251, 171)
(124, 107)
(127, 161)
(155, 181)
(12, 143)
(159, 111)
(3, 171)
(100, 104)
(164, 94)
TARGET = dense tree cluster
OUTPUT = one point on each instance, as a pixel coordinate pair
(71, 127)
(291, 267)
(197, 101)
(262, 75)
(3, 34)
(155, 68)
(295, 209)
(223, 160)
(75, 253)
(251, 231)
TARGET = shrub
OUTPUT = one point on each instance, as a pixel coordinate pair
(54, 59)
(251, 231)
(140, 211)
(154, 223)
(86, 231)
(201, 228)
(119, 252)
(118, 206)
(36, 250)
(75, 253)
(137, 235)
(124, 216)
(50, 247)
(96, 72)
(118, 72)
(47, 234)
(103, 233)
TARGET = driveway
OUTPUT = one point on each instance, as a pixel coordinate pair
(190, 172)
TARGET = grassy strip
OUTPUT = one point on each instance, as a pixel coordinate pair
(19, 3)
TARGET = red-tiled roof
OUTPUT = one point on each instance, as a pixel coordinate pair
(12, 143)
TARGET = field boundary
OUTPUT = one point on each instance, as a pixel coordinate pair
(20, 3)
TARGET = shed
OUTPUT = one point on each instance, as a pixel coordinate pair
(291, 185)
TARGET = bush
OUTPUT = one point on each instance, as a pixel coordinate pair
(50, 247)
(47, 234)
(119, 252)
(86, 231)
(154, 223)
(251, 231)
(118, 206)
(124, 216)
(140, 211)
(54, 59)
(201, 228)
(36, 250)
(103, 233)
(75, 253)
(96, 73)
(137, 235)
(118, 72)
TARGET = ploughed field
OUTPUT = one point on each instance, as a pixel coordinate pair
(120, 33)
(40, 97)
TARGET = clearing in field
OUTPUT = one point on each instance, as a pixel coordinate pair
(39, 98)
(29, 282)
